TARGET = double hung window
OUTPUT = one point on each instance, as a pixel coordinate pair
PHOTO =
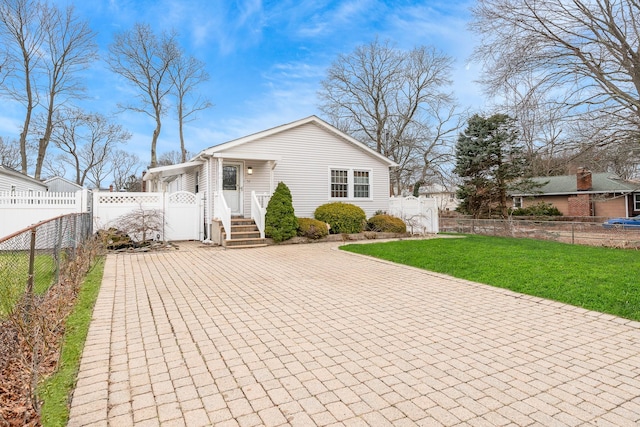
(350, 184)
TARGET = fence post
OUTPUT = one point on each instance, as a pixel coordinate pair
(57, 247)
(572, 233)
(32, 258)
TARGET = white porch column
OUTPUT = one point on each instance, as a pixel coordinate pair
(272, 165)
(219, 180)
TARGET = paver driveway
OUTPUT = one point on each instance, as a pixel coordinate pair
(309, 335)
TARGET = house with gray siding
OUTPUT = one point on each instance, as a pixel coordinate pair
(318, 163)
(58, 184)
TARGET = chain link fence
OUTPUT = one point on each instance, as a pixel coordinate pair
(579, 233)
(31, 259)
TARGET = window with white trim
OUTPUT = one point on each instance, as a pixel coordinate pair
(350, 184)
(636, 202)
(361, 185)
(517, 202)
(339, 184)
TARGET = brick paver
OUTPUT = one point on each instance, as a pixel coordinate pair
(310, 335)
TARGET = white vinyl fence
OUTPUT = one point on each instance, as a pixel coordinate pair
(20, 210)
(180, 212)
(419, 213)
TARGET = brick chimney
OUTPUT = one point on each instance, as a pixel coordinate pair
(583, 178)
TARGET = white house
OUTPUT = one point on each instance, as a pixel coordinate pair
(318, 163)
(445, 197)
(13, 181)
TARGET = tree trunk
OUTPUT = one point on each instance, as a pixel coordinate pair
(27, 124)
(154, 142)
(43, 142)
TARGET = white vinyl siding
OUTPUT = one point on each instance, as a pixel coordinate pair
(9, 181)
(305, 156)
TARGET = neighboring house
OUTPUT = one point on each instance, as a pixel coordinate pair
(13, 181)
(445, 198)
(585, 194)
(318, 163)
(58, 184)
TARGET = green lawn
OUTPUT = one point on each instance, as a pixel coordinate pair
(14, 272)
(601, 279)
(56, 390)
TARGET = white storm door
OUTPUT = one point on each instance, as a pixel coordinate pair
(232, 187)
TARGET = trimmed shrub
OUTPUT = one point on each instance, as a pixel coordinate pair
(280, 220)
(386, 224)
(342, 217)
(312, 228)
(539, 209)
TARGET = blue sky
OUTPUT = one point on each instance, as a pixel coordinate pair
(265, 58)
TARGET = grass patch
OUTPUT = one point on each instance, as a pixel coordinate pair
(56, 390)
(599, 279)
(14, 272)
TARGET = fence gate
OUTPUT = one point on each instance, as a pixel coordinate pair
(419, 213)
(182, 216)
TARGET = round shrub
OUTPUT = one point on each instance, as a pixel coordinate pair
(386, 224)
(539, 209)
(312, 228)
(342, 217)
(280, 220)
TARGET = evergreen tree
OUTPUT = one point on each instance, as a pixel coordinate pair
(490, 160)
(280, 220)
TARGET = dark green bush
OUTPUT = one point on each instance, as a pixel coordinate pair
(312, 228)
(280, 221)
(539, 209)
(342, 217)
(386, 224)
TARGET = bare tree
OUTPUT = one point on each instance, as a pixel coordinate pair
(22, 38)
(187, 73)
(391, 100)
(173, 157)
(125, 165)
(586, 51)
(46, 47)
(87, 141)
(145, 60)
(70, 47)
(10, 153)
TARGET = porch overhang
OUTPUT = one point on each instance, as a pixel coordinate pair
(166, 173)
(257, 157)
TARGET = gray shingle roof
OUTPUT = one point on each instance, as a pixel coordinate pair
(567, 184)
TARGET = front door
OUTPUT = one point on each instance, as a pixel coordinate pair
(232, 186)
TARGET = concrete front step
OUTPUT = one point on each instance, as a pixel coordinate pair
(242, 221)
(236, 235)
(244, 234)
(245, 243)
(261, 245)
(243, 228)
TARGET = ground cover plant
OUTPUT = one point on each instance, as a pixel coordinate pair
(600, 279)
